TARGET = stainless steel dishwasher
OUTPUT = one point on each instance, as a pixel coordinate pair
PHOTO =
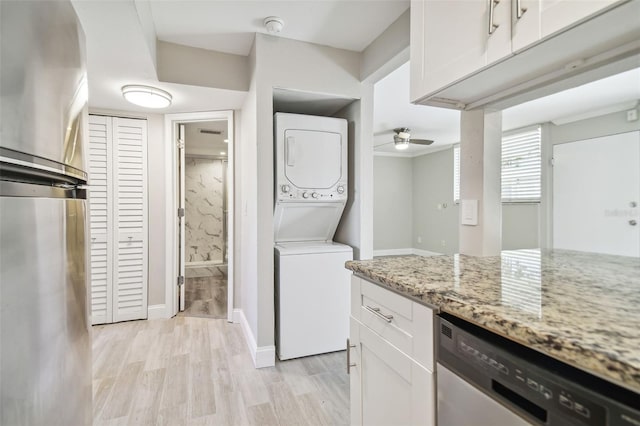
(487, 380)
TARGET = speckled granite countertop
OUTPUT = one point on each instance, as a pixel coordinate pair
(580, 308)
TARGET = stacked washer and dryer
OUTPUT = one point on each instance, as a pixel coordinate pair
(311, 282)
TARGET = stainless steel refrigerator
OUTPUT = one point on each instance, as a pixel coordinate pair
(45, 340)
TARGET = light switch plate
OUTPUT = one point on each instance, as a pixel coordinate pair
(469, 212)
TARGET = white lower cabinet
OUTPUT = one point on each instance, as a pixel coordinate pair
(388, 386)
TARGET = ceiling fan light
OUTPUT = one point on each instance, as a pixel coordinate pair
(402, 145)
(404, 135)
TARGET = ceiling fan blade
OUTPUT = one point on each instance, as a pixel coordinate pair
(421, 141)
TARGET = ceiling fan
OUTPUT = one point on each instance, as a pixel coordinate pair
(402, 138)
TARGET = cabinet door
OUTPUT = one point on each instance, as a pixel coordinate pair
(355, 397)
(100, 221)
(558, 14)
(130, 176)
(392, 389)
(450, 40)
(525, 28)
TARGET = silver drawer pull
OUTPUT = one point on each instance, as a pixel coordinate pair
(377, 312)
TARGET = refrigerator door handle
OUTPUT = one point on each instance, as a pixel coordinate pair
(16, 162)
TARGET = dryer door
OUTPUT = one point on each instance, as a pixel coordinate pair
(313, 159)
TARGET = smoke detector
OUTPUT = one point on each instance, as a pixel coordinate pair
(273, 24)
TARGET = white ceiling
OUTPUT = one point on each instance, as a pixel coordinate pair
(392, 108)
(229, 26)
(117, 54)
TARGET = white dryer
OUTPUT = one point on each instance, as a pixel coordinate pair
(310, 176)
(312, 285)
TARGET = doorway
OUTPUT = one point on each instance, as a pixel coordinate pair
(201, 254)
(204, 175)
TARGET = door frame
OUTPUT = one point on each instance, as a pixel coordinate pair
(171, 183)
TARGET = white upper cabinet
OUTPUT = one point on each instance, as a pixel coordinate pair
(466, 54)
(556, 15)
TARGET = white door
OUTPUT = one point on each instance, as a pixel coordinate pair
(181, 216)
(596, 191)
(393, 389)
(100, 219)
(130, 219)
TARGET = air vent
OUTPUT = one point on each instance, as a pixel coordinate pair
(210, 132)
(446, 330)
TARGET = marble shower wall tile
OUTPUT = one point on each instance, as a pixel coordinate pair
(203, 210)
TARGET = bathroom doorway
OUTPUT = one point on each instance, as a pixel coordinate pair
(205, 218)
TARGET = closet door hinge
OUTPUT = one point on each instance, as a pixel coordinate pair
(181, 212)
(180, 280)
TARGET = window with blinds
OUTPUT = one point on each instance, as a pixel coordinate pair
(521, 167)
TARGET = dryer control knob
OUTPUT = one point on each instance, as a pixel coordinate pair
(315, 195)
(340, 189)
(305, 195)
(285, 188)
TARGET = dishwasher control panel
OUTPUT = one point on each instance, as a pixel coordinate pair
(533, 385)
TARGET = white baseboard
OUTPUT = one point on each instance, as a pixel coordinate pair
(404, 252)
(157, 312)
(264, 356)
(426, 252)
(393, 252)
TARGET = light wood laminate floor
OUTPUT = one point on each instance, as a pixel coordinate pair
(198, 371)
(206, 292)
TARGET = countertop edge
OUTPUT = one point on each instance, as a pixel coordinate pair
(544, 343)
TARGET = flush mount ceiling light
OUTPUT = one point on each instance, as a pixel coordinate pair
(273, 24)
(146, 96)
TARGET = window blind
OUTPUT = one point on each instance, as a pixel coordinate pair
(521, 166)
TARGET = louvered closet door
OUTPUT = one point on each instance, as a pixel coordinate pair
(100, 221)
(130, 219)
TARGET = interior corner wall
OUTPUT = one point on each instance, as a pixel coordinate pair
(156, 200)
(392, 203)
(246, 207)
(356, 225)
(288, 64)
(435, 215)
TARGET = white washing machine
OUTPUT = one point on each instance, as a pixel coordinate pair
(312, 298)
(312, 285)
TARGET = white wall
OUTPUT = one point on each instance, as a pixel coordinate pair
(199, 67)
(433, 186)
(246, 206)
(392, 203)
(520, 226)
(356, 225)
(290, 64)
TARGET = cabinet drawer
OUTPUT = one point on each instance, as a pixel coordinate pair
(402, 322)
